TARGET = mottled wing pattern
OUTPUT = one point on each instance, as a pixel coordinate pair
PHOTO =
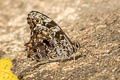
(48, 41)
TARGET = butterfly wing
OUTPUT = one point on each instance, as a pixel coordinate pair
(55, 41)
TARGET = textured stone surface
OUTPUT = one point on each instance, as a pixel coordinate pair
(94, 23)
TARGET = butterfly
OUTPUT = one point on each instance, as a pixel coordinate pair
(48, 40)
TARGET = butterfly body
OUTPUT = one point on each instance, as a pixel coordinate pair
(48, 41)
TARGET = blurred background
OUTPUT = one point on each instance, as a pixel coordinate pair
(93, 23)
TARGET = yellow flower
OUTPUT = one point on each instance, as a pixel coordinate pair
(5, 70)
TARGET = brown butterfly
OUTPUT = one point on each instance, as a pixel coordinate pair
(48, 41)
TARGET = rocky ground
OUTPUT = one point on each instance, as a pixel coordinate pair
(93, 23)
